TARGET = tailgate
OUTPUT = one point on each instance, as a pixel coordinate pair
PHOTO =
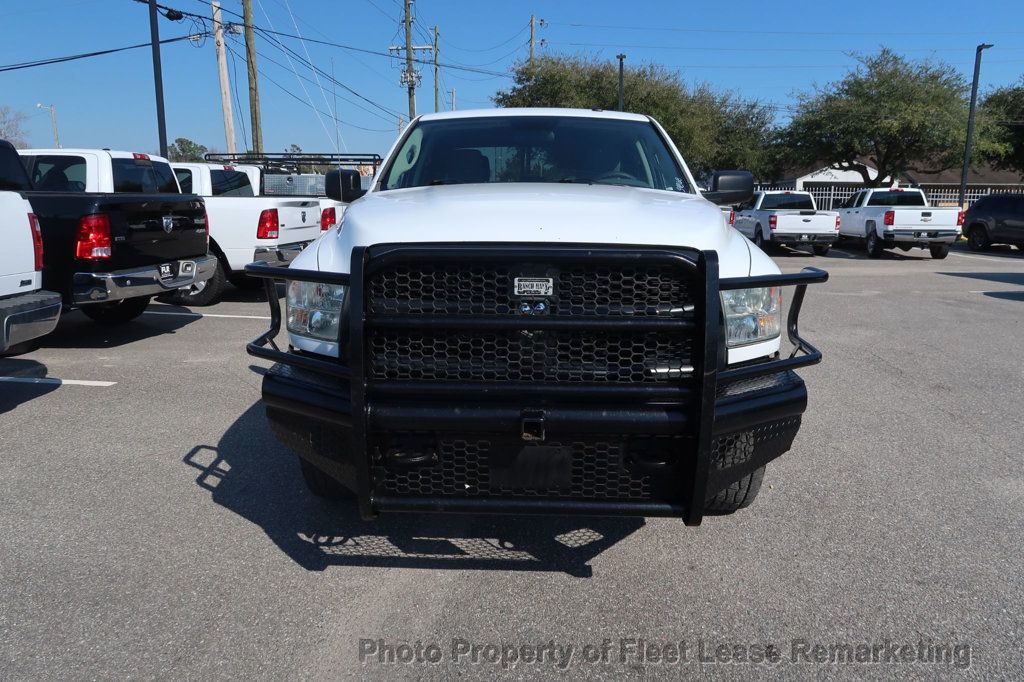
(298, 219)
(926, 217)
(806, 222)
(151, 229)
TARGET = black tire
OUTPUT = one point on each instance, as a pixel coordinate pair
(977, 239)
(873, 245)
(739, 495)
(245, 282)
(758, 238)
(322, 485)
(939, 251)
(203, 293)
(821, 249)
(117, 312)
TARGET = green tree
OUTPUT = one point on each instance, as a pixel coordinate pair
(713, 130)
(1002, 112)
(185, 149)
(894, 114)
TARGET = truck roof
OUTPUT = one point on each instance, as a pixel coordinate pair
(113, 153)
(535, 111)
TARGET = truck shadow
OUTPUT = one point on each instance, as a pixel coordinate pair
(249, 473)
(75, 330)
(998, 277)
(13, 394)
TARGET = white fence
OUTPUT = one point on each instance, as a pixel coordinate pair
(828, 197)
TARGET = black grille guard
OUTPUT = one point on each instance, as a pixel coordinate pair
(709, 378)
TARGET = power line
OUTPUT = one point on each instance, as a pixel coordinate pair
(766, 49)
(307, 104)
(86, 55)
(761, 31)
(503, 43)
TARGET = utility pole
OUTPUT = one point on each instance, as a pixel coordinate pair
(453, 99)
(622, 92)
(53, 122)
(158, 79)
(254, 88)
(222, 74)
(437, 75)
(533, 35)
(410, 76)
(970, 123)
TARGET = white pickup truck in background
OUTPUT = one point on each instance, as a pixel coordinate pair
(899, 218)
(330, 210)
(244, 227)
(785, 217)
(26, 311)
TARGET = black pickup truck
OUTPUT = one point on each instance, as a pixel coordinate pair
(109, 254)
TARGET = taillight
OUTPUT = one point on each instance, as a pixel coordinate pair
(960, 217)
(93, 241)
(732, 217)
(37, 240)
(206, 224)
(890, 217)
(328, 218)
(773, 221)
(267, 228)
(839, 221)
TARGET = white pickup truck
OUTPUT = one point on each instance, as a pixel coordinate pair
(535, 311)
(787, 217)
(26, 310)
(899, 218)
(244, 227)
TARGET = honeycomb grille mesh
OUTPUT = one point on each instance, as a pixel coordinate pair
(462, 470)
(564, 357)
(580, 290)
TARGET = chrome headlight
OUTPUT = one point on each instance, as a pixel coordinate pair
(752, 315)
(314, 309)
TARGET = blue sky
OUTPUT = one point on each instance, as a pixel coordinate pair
(108, 101)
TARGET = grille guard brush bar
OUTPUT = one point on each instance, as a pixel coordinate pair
(707, 326)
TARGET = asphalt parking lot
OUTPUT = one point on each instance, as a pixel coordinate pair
(151, 526)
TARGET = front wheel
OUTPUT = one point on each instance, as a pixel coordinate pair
(977, 240)
(322, 485)
(202, 293)
(873, 245)
(739, 495)
(758, 238)
(821, 249)
(939, 251)
(117, 312)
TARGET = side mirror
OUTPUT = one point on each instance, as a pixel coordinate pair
(730, 187)
(343, 185)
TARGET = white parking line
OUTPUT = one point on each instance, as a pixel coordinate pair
(967, 255)
(56, 381)
(230, 317)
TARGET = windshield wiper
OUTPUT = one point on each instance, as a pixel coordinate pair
(436, 182)
(582, 181)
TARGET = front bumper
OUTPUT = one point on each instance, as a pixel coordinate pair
(919, 236)
(797, 239)
(278, 256)
(28, 316)
(413, 447)
(97, 287)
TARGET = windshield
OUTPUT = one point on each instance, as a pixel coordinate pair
(897, 199)
(567, 149)
(796, 202)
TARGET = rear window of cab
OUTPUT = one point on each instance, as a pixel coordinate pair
(143, 176)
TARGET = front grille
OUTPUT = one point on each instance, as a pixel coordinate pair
(600, 470)
(549, 356)
(582, 291)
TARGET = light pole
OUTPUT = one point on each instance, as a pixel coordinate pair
(970, 123)
(53, 122)
(621, 58)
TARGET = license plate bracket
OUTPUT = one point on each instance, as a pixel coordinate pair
(530, 467)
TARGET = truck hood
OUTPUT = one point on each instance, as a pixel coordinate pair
(534, 213)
